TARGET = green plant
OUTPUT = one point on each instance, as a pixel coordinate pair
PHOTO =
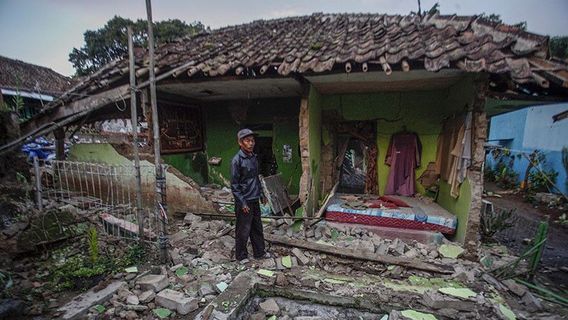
(562, 219)
(18, 103)
(506, 177)
(93, 241)
(4, 107)
(565, 162)
(6, 283)
(542, 181)
(495, 221)
(21, 178)
(134, 255)
(502, 173)
(75, 272)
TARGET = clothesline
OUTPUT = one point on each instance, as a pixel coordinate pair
(536, 165)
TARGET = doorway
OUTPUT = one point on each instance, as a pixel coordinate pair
(353, 168)
(267, 165)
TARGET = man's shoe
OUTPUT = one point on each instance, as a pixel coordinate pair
(244, 261)
(266, 255)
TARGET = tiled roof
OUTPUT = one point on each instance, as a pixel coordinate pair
(19, 75)
(348, 42)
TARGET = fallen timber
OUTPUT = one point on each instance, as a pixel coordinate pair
(353, 254)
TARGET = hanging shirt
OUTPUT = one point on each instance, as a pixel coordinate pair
(460, 157)
(403, 156)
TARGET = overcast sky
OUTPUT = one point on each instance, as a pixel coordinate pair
(43, 32)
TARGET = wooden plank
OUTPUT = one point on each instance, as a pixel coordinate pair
(350, 253)
(127, 228)
(232, 216)
(329, 196)
(276, 194)
(94, 102)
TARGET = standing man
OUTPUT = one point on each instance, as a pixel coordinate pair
(245, 185)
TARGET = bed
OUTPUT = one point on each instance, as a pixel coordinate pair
(391, 211)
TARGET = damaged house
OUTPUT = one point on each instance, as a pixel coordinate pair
(368, 118)
(34, 85)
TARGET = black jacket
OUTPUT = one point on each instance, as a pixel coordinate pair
(245, 183)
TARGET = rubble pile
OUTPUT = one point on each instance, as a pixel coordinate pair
(204, 281)
(355, 237)
(203, 267)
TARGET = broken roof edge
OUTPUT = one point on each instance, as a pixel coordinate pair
(180, 58)
(19, 75)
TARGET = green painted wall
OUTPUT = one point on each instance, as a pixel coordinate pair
(286, 133)
(97, 153)
(220, 132)
(221, 141)
(459, 95)
(421, 112)
(193, 165)
(459, 206)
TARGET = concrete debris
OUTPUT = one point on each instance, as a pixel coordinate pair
(178, 237)
(412, 253)
(281, 280)
(300, 255)
(175, 300)
(515, 287)
(153, 282)
(450, 251)
(414, 278)
(80, 305)
(206, 289)
(269, 307)
(436, 300)
(132, 299)
(191, 219)
(258, 316)
(463, 275)
(147, 296)
(532, 303)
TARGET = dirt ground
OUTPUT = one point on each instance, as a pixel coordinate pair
(555, 255)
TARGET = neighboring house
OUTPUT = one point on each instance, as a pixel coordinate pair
(29, 86)
(311, 84)
(543, 128)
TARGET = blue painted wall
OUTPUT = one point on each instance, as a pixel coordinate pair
(529, 129)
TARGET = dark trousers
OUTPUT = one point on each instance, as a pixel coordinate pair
(249, 225)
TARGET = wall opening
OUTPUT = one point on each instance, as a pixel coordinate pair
(354, 168)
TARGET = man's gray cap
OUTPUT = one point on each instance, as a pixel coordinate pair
(245, 133)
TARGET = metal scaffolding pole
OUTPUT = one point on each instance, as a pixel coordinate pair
(161, 205)
(37, 177)
(134, 123)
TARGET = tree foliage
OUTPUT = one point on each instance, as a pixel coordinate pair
(495, 18)
(559, 47)
(111, 42)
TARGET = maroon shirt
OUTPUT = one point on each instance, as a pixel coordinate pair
(403, 156)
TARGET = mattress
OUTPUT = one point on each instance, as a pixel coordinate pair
(419, 214)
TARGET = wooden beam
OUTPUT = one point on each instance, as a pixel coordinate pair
(350, 253)
(94, 102)
(59, 135)
(329, 196)
(232, 216)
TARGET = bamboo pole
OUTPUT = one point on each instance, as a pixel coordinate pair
(161, 206)
(134, 123)
(37, 175)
